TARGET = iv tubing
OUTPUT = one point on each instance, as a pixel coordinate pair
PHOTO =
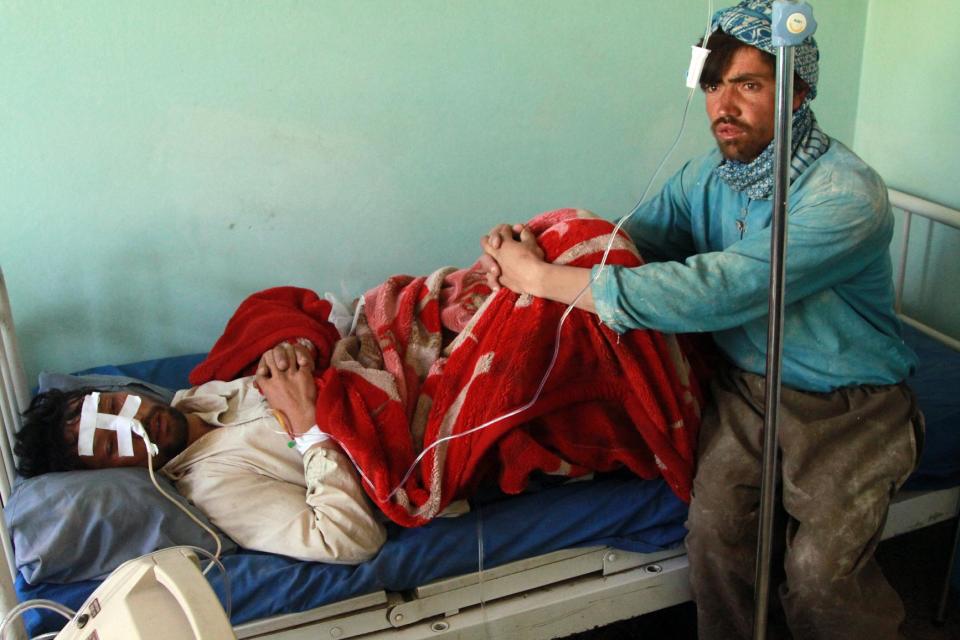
(23, 607)
(215, 560)
(153, 479)
(483, 600)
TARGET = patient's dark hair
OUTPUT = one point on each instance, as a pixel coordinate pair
(722, 47)
(41, 446)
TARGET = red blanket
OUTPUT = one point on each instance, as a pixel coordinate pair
(437, 356)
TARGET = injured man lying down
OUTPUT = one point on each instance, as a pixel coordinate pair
(295, 436)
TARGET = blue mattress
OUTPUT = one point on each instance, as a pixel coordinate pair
(620, 511)
(937, 387)
(617, 510)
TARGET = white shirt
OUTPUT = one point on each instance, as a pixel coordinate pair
(259, 491)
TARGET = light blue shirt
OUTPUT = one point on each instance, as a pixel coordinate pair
(839, 324)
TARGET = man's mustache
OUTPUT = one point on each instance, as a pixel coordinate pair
(729, 120)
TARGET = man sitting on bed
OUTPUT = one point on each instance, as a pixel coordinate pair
(228, 453)
(849, 426)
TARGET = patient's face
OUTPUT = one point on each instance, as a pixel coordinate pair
(166, 426)
(741, 106)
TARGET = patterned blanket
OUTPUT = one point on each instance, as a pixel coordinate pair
(438, 356)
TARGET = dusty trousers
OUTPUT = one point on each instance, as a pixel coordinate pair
(843, 455)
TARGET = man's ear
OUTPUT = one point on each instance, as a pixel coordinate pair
(799, 95)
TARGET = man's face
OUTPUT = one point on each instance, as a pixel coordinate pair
(741, 106)
(166, 426)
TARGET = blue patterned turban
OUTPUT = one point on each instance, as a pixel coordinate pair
(749, 22)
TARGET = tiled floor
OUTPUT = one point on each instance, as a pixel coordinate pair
(914, 564)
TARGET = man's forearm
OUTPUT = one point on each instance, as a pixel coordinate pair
(561, 283)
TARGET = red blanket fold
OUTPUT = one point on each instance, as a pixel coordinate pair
(262, 321)
(397, 389)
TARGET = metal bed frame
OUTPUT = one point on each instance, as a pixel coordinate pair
(547, 596)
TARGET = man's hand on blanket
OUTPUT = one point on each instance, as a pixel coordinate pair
(520, 266)
(513, 258)
(303, 352)
(291, 389)
(486, 264)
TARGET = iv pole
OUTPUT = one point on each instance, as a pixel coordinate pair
(792, 22)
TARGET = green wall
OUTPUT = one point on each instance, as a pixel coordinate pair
(907, 129)
(162, 160)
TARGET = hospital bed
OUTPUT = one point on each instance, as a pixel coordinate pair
(546, 564)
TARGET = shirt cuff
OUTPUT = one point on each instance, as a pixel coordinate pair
(605, 292)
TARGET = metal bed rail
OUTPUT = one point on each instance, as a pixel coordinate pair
(912, 206)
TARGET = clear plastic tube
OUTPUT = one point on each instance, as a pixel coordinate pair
(215, 560)
(483, 597)
(27, 605)
(166, 495)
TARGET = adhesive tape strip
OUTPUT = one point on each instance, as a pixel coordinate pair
(88, 423)
(124, 424)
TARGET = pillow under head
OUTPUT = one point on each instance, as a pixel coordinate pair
(81, 525)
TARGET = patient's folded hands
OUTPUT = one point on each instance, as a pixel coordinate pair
(289, 389)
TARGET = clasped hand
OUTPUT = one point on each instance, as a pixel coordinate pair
(285, 378)
(511, 258)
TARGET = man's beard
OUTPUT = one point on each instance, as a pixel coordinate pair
(177, 430)
(746, 147)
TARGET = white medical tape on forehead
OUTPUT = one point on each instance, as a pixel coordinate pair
(88, 423)
(123, 424)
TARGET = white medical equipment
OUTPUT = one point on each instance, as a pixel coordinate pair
(161, 595)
